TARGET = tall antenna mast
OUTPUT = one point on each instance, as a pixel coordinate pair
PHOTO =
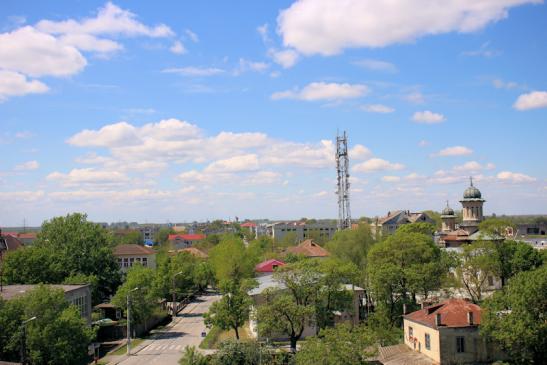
(342, 169)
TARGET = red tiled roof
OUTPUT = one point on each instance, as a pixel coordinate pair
(453, 314)
(195, 252)
(268, 265)
(248, 224)
(309, 248)
(29, 235)
(132, 250)
(187, 237)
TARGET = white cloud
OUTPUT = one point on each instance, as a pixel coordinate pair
(321, 194)
(34, 53)
(111, 135)
(16, 84)
(90, 43)
(195, 71)
(323, 91)
(193, 36)
(391, 178)
(287, 58)
(177, 48)
(514, 177)
(246, 65)
(377, 164)
(532, 100)
(27, 166)
(473, 166)
(263, 31)
(500, 84)
(377, 65)
(415, 97)
(428, 117)
(326, 27)
(24, 196)
(359, 152)
(377, 108)
(110, 19)
(241, 163)
(77, 177)
(423, 143)
(454, 151)
(483, 51)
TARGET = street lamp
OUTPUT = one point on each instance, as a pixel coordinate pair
(129, 320)
(24, 340)
(174, 293)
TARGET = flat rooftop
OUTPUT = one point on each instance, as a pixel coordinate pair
(11, 291)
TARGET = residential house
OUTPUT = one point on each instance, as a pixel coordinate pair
(268, 267)
(302, 230)
(393, 220)
(448, 333)
(180, 241)
(8, 243)
(78, 295)
(309, 248)
(128, 255)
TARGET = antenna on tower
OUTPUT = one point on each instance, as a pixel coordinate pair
(342, 169)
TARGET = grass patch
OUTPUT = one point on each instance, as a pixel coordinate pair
(211, 339)
(123, 350)
(216, 336)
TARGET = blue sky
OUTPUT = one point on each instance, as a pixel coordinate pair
(177, 111)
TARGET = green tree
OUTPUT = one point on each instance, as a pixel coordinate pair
(516, 257)
(144, 300)
(242, 353)
(230, 260)
(406, 263)
(515, 317)
(58, 335)
(352, 245)
(232, 310)
(289, 239)
(162, 235)
(133, 237)
(436, 217)
(478, 261)
(65, 247)
(191, 356)
(203, 275)
(421, 227)
(341, 345)
(495, 226)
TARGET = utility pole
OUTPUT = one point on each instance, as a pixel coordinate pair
(129, 320)
(342, 170)
(174, 294)
(24, 341)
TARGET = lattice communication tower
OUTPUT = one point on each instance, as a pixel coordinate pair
(342, 169)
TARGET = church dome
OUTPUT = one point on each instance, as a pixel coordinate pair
(472, 192)
(447, 211)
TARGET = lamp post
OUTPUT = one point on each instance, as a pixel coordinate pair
(174, 293)
(129, 320)
(24, 340)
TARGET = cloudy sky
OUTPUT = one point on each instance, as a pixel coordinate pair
(176, 111)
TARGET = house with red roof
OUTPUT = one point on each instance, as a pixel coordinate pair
(8, 243)
(309, 248)
(268, 267)
(448, 333)
(180, 241)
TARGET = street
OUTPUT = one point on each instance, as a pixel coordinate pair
(166, 346)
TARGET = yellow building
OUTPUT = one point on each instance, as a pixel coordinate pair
(448, 333)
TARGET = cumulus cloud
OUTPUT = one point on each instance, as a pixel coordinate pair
(241, 163)
(195, 71)
(16, 84)
(532, 100)
(428, 117)
(77, 177)
(376, 65)
(514, 177)
(454, 151)
(359, 152)
(391, 178)
(326, 27)
(323, 91)
(377, 108)
(177, 48)
(27, 166)
(414, 97)
(474, 166)
(287, 58)
(193, 36)
(377, 164)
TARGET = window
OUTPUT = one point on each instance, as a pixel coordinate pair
(131, 260)
(427, 342)
(125, 262)
(490, 281)
(120, 262)
(410, 332)
(144, 261)
(460, 344)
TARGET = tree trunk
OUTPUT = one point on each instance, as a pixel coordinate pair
(237, 333)
(293, 344)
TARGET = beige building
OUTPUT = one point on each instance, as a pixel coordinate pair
(393, 220)
(448, 333)
(129, 255)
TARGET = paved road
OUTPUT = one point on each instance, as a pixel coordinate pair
(165, 347)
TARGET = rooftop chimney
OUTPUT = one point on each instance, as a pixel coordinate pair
(470, 318)
(438, 320)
